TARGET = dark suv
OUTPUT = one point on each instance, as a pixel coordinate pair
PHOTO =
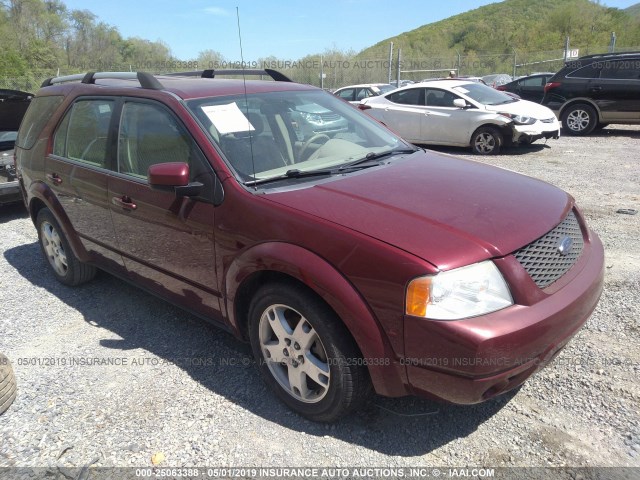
(349, 259)
(594, 91)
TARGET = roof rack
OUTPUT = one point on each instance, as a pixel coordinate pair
(149, 81)
(274, 74)
(146, 79)
(617, 54)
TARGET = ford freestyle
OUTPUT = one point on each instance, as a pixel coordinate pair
(350, 260)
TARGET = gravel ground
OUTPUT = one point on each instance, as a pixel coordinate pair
(190, 395)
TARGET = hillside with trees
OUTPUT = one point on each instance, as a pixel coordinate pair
(523, 25)
(633, 10)
(44, 36)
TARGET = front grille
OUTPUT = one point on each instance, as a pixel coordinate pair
(542, 259)
(329, 117)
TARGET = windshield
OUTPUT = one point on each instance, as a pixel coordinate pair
(484, 94)
(266, 135)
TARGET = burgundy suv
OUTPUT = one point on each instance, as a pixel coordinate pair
(348, 258)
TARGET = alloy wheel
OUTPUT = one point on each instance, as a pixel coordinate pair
(54, 249)
(294, 353)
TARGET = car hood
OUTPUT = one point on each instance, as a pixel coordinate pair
(13, 105)
(525, 108)
(447, 211)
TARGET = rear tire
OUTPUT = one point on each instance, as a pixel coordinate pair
(305, 353)
(8, 385)
(56, 249)
(579, 119)
(486, 141)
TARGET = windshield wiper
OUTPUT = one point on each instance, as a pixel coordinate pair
(371, 156)
(293, 173)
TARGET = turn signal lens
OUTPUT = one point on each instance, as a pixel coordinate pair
(418, 296)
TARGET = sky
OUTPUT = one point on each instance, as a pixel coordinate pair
(286, 29)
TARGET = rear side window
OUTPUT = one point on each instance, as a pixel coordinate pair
(35, 119)
(533, 82)
(82, 134)
(621, 70)
(413, 96)
(590, 71)
(346, 94)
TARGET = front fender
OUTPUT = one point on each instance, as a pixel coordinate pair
(40, 191)
(387, 375)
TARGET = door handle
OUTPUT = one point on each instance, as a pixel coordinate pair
(54, 178)
(124, 202)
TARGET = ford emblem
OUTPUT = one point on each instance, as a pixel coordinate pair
(564, 247)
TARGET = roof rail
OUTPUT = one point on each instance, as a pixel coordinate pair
(146, 79)
(616, 54)
(274, 74)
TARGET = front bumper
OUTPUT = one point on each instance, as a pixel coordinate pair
(469, 361)
(531, 133)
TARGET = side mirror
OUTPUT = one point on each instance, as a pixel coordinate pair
(460, 103)
(173, 176)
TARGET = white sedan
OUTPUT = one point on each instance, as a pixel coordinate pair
(462, 113)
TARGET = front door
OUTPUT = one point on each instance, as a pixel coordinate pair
(166, 240)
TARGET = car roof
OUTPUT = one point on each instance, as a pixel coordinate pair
(447, 83)
(185, 86)
(363, 85)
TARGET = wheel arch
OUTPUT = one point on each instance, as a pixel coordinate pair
(504, 129)
(577, 100)
(41, 196)
(279, 261)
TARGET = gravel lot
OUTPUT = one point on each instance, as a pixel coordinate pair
(190, 392)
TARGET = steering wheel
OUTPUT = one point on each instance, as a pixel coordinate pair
(314, 139)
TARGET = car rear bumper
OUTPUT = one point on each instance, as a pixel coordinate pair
(472, 360)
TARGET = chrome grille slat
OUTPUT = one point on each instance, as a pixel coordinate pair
(541, 258)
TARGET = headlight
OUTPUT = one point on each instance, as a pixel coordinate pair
(312, 118)
(519, 119)
(461, 293)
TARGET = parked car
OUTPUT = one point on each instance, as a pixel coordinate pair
(462, 113)
(355, 93)
(528, 88)
(496, 79)
(349, 260)
(13, 105)
(593, 91)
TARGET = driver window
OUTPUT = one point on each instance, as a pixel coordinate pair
(83, 132)
(439, 98)
(149, 135)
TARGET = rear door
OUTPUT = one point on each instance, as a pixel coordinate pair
(166, 241)
(77, 171)
(619, 91)
(405, 113)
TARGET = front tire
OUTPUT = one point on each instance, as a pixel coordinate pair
(486, 141)
(56, 249)
(305, 354)
(579, 119)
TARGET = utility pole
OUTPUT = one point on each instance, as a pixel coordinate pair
(398, 67)
(612, 44)
(390, 62)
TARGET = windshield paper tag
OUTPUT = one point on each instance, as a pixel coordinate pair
(227, 118)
